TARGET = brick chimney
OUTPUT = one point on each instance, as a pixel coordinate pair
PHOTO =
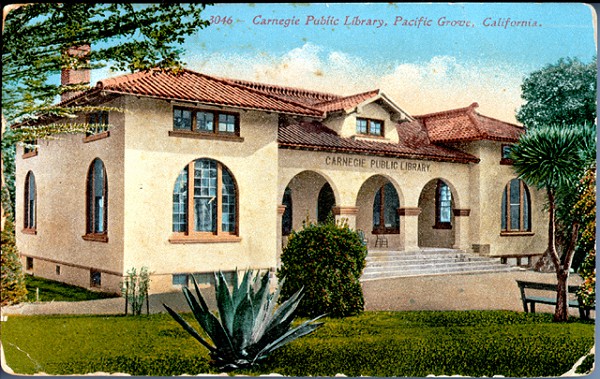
(72, 75)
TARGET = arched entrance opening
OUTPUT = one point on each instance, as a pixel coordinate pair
(436, 220)
(378, 202)
(308, 196)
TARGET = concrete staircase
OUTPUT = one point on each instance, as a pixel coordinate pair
(428, 261)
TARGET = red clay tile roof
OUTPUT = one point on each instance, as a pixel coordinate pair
(298, 95)
(192, 86)
(316, 136)
(464, 124)
(344, 103)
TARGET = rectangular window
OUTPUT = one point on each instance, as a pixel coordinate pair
(182, 119)
(206, 122)
(29, 263)
(95, 278)
(370, 127)
(505, 160)
(98, 122)
(180, 279)
(30, 148)
(57, 270)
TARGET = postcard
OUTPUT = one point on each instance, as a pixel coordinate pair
(404, 166)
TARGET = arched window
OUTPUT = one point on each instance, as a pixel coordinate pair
(385, 210)
(325, 202)
(213, 209)
(97, 202)
(29, 215)
(516, 215)
(443, 206)
(286, 220)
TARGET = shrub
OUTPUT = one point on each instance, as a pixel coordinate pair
(135, 290)
(327, 260)
(12, 290)
(586, 245)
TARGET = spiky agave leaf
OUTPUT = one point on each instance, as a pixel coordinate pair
(257, 325)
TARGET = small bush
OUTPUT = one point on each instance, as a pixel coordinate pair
(12, 286)
(327, 260)
(586, 366)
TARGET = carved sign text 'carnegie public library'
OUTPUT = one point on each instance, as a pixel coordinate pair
(376, 163)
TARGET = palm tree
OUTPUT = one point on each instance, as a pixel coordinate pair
(553, 158)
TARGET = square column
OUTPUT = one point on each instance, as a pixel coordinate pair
(346, 213)
(280, 212)
(461, 229)
(409, 227)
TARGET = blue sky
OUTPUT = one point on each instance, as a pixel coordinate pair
(423, 68)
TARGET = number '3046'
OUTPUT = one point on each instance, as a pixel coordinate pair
(226, 20)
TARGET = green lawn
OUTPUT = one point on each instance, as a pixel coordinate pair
(473, 343)
(50, 290)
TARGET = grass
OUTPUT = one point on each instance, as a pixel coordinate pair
(472, 343)
(50, 290)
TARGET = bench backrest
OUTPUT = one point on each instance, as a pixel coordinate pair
(544, 286)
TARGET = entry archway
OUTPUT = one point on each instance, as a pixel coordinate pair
(378, 201)
(436, 220)
(308, 196)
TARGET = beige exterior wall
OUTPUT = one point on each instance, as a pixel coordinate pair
(488, 180)
(153, 161)
(60, 169)
(143, 162)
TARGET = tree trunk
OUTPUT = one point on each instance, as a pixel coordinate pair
(561, 312)
(550, 261)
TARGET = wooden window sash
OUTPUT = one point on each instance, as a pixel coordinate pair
(91, 233)
(30, 215)
(369, 131)
(522, 194)
(191, 235)
(215, 131)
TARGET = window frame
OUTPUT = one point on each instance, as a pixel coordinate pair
(369, 132)
(29, 220)
(382, 228)
(439, 224)
(215, 133)
(503, 159)
(101, 131)
(505, 211)
(30, 152)
(91, 234)
(218, 235)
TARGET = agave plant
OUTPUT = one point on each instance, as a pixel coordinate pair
(250, 325)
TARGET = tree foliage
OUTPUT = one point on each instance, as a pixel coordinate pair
(554, 158)
(563, 93)
(586, 246)
(127, 36)
(12, 285)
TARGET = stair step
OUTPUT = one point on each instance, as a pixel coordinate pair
(393, 264)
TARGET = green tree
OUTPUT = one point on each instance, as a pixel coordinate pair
(586, 246)
(36, 42)
(12, 284)
(563, 93)
(554, 158)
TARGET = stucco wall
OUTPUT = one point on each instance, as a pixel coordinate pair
(153, 161)
(60, 170)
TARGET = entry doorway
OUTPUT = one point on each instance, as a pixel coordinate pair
(436, 220)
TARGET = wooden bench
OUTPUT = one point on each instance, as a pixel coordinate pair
(504, 258)
(529, 301)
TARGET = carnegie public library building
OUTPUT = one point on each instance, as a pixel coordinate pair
(198, 173)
